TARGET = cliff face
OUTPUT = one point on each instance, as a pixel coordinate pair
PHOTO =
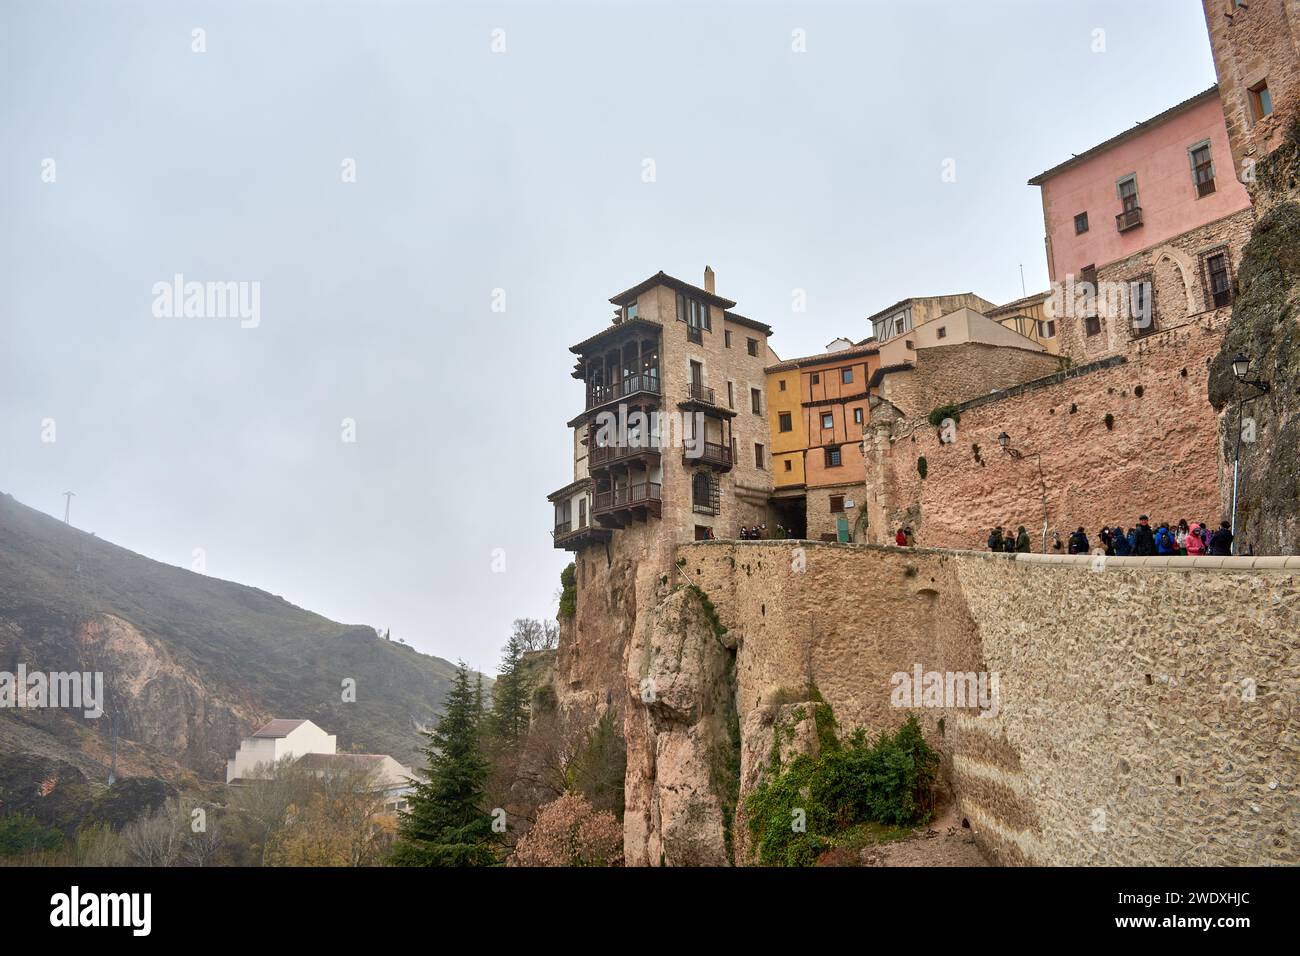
(682, 736)
(1266, 328)
(191, 664)
(1119, 737)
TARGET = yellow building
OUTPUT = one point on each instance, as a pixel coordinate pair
(785, 415)
(1029, 316)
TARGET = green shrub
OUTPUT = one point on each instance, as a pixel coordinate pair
(922, 467)
(20, 833)
(569, 596)
(944, 411)
(849, 783)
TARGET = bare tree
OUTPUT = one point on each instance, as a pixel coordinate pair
(535, 635)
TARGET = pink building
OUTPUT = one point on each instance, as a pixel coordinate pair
(1150, 184)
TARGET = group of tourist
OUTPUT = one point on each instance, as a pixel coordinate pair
(1141, 541)
(904, 537)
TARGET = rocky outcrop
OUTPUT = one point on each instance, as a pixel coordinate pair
(1266, 328)
(682, 736)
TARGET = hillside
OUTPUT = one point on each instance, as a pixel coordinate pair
(191, 663)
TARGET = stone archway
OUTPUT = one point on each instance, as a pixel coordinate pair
(1186, 270)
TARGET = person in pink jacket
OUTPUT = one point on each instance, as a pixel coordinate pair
(1196, 541)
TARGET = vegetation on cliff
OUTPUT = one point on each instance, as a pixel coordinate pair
(800, 809)
(447, 823)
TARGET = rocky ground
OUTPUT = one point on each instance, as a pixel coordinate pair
(944, 842)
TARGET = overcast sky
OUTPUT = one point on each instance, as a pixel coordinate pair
(475, 170)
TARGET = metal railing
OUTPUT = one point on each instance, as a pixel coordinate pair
(700, 392)
(711, 453)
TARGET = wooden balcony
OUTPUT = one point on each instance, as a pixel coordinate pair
(1129, 219)
(709, 453)
(569, 536)
(644, 383)
(617, 506)
(602, 457)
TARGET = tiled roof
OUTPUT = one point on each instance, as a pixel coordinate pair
(880, 373)
(280, 727)
(854, 352)
(662, 278)
(1018, 303)
(752, 323)
(1128, 133)
(610, 330)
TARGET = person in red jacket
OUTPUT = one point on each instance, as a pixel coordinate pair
(900, 538)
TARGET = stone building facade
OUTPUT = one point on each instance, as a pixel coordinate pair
(1090, 445)
(695, 462)
(1256, 49)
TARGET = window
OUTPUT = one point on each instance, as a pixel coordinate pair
(837, 504)
(704, 492)
(1092, 325)
(941, 332)
(1261, 100)
(781, 385)
(697, 373)
(1080, 223)
(900, 324)
(1046, 328)
(1142, 306)
(752, 345)
(833, 458)
(828, 420)
(789, 465)
(731, 394)
(629, 311)
(816, 378)
(1128, 192)
(582, 512)
(702, 532)
(846, 376)
(1202, 168)
(726, 337)
(1130, 214)
(910, 345)
(696, 316)
(758, 455)
(857, 416)
(1218, 279)
(786, 424)
(756, 401)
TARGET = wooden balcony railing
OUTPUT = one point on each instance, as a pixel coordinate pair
(562, 528)
(1129, 219)
(607, 455)
(641, 382)
(710, 453)
(701, 393)
(627, 496)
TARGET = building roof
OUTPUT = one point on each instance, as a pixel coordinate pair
(752, 323)
(1135, 130)
(916, 298)
(611, 330)
(328, 761)
(824, 358)
(280, 727)
(1018, 303)
(569, 489)
(879, 374)
(629, 296)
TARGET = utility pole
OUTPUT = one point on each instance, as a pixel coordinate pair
(67, 508)
(1022, 280)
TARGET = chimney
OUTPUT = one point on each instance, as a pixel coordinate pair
(708, 280)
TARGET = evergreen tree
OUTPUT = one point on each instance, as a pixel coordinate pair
(446, 824)
(510, 697)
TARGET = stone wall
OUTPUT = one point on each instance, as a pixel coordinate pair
(947, 374)
(1146, 708)
(1068, 464)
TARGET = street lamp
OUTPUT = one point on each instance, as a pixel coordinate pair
(1003, 440)
(1240, 366)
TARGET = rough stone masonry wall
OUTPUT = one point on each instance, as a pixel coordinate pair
(1158, 456)
(1126, 733)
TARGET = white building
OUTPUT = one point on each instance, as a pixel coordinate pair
(282, 737)
(385, 774)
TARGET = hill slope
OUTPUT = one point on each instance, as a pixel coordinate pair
(191, 663)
